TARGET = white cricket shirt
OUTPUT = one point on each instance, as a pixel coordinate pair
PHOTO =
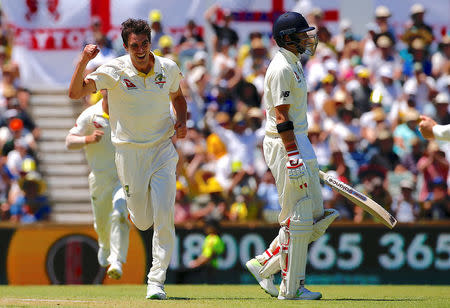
(284, 84)
(100, 155)
(139, 104)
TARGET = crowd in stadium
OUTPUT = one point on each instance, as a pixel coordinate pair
(365, 98)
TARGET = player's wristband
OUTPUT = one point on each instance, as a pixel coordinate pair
(285, 126)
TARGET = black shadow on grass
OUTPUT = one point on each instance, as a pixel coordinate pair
(372, 299)
(210, 298)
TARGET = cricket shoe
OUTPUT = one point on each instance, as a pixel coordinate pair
(115, 270)
(254, 267)
(303, 294)
(155, 292)
(102, 257)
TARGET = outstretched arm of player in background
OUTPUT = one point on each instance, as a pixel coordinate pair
(79, 86)
(76, 142)
(179, 103)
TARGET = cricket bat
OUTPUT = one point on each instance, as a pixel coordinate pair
(360, 199)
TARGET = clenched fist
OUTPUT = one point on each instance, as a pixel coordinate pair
(90, 51)
(95, 137)
(180, 128)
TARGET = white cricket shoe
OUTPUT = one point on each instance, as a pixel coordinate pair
(102, 257)
(303, 294)
(155, 292)
(115, 270)
(254, 267)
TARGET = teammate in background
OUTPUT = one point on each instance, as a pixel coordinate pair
(140, 87)
(431, 130)
(213, 246)
(291, 158)
(93, 133)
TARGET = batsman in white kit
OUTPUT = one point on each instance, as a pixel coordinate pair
(141, 87)
(93, 133)
(293, 163)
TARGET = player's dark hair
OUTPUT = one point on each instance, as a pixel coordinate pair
(136, 26)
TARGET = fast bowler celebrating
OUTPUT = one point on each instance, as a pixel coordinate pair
(291, 158)
(140, 87)
(92, 132)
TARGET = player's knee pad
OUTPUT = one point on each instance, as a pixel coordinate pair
(322, 224)
(294, 240)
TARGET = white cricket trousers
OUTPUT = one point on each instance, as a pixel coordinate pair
(276, 158)
(110, 215)
(148, 178)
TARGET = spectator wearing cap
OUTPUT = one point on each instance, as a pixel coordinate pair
(354, 156)
(432, 165)
(410, 160)
(331, 107)
(441, 103)
(155, 21)
(404, 207)
(374, 120)
(361, 93)
(438, 207)
(421, 85)
(385, 54)
(389, 88)
(21, 104)
(419, 54)
(418, 27)
(382, 15)
(441, 57)
(223, 32)
(382, 152)
(33, 206)
(347, 124)
(406, 132)
(396, 176)
(166, 48)
(324, 93)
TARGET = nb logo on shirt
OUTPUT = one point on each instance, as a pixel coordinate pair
(129, 84)
(285, 94)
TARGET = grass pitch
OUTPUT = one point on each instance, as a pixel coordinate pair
(221, 296)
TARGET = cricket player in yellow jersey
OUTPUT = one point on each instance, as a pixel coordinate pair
(140, 87)
(291, 158)
(93, 133)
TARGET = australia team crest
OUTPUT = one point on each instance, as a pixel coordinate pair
(160, 79)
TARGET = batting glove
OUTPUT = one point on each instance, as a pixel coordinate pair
(297, 172)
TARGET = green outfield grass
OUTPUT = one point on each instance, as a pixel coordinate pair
(221, 296)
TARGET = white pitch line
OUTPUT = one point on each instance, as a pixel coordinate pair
(49, 300)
